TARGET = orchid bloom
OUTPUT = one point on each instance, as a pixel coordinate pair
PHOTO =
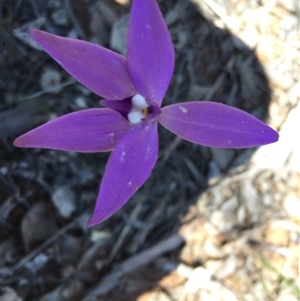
(133, 89)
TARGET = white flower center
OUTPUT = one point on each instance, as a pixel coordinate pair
(139, 109)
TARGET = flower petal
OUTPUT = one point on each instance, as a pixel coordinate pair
(129, 166)
(150, 50)
(123, 106)
(100, 70)
(92, 130)
(216, 125)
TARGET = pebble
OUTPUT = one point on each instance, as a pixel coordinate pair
(50, 80)
(60, 18)
(37, 263)
(199, 278)
(38, 225)
(292, 206)
(8, 294)
(224, 221)
(81, 102)
(228, 267)
(64, 199)
(241, 215)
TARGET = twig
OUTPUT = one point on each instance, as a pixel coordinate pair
(40, 248)
(69, 82)
(130, 265)
(151, 220)
(125, 231)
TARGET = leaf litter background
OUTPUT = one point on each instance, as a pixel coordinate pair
(209, 224)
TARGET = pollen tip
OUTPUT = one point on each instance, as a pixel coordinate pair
(138, 101)
(135, 117)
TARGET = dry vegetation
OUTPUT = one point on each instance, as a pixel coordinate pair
(210, 224)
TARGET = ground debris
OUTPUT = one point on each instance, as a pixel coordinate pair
(209, 224)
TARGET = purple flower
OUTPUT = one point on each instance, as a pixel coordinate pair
(133, 89)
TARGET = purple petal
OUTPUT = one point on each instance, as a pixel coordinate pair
(129, 166)
(150, 50)
(100, 70)
(123, 106)
(92, 130)
(216, 125)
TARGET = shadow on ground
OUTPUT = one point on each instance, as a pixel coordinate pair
(46, 196)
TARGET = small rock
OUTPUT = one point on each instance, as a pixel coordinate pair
(38, 225)
(98, 236)
(199, 278)
(172, 17)
(212, 251)
(86, 176)
(184, 270)
(3, 170)
(213, 265)
(277, 237)
(210, 229)
(50, 80)
(224, 221)
(60, 17)
(292, 206)
(64, 199)
(228, 267)
(81, 102)
(37, 263)
(8, 294)
(230, 206)
(267, 199)
(241, 215)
